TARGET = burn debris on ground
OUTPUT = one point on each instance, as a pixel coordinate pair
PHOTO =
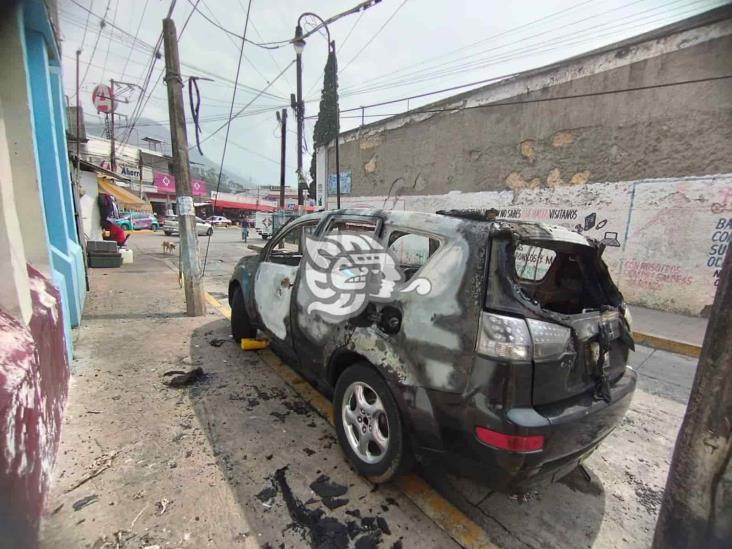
(218, 342)
(181, 379)
(83, 502)
(321, 531)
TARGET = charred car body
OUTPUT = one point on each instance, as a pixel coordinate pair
(499, 348)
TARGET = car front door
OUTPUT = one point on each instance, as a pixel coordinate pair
(274, 280)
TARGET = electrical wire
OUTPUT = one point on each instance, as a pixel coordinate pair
(137, 33)
(228, 126)
(109, 44)
(504, 103)
(99, 35)
(373, 37)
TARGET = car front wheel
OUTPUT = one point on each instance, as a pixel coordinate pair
(241, 325)
(368, 424)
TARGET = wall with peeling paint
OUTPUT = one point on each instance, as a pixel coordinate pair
(665, 238)
(637, 160)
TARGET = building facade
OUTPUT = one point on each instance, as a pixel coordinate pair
(42, 277)
(628, 144)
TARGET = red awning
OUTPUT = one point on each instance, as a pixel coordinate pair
(242, 205)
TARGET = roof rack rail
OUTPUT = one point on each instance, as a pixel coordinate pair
(474, 214)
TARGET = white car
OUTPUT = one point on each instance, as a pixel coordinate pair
(217, 220)
(170, 226)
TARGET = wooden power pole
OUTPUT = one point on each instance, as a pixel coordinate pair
(191, 265)
(282, 118)
(697, 503)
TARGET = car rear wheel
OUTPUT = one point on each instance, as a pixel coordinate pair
(241, 325)
(369, 426)
(167, 233)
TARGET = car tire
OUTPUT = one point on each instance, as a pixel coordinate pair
(209, 232)
(241, 325)
(396, 457)
(167, 233)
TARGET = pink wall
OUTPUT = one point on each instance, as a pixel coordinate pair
(34, 374)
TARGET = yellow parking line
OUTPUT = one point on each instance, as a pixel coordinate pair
(666, 344)
(448, 517)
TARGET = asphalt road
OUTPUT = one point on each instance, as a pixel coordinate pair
(618, 507)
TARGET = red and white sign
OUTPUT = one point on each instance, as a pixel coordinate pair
(165, 183)
(102, 98)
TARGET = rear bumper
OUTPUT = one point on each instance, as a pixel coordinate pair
(572, 430)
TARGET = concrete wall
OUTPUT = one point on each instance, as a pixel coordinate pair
(654, 163)
(90, 217)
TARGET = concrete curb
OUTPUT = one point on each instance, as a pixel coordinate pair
(665, 344)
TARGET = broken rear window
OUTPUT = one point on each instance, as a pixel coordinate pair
(411, 250)
(562, 277)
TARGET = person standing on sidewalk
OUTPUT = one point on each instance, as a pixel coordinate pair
(244, 231)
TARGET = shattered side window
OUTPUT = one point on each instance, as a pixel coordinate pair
(365, 225)
(411, 250)
(533, 262)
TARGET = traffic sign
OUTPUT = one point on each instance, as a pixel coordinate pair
(102, 98)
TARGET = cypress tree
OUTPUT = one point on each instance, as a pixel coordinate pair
(327, 126)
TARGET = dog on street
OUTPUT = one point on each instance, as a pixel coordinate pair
(168, 247)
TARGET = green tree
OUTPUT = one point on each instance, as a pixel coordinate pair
(328, 125)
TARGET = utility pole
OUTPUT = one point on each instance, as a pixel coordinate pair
(695, 511)
(299, 110)
(191, 266)
(112, 156)
(78, 121)
(282, 119)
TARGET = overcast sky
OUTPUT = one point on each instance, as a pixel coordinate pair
(395, 49)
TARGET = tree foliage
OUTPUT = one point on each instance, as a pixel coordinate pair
(328, 125)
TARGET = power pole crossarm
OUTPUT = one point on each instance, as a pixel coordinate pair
(191, 265)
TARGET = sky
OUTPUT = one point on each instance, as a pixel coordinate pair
(393, 50)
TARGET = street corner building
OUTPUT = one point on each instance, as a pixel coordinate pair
(42, 270)
(628, 144)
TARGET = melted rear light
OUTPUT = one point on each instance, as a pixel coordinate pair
(512, 443)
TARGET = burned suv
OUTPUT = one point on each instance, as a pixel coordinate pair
(496, 347)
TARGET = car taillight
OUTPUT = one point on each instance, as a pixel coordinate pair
(515, 338)
(503, 337)
(548, 339)
(512, 443)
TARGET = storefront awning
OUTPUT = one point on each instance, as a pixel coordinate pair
(125, 198)
(253, 206)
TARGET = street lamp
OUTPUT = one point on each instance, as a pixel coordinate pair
(298, 42)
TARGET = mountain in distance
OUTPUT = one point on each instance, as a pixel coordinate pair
(230, 181)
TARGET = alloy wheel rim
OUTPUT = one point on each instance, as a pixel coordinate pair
(365, 422)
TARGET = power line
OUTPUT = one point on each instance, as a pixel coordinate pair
(373, 37)
(228, 124)
(99, 35)
(503, 103)
(240, 111)
(556, 43)
(137, 33)
(109, 44)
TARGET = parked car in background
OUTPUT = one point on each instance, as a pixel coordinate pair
(218, 220)
(135, 221)
(170, 226)
(496, 348)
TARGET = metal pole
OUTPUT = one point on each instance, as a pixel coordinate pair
(338, 131)
(283, 146)
(300, 119)
(191, 265)
(112, 159)
(695, 511)
(78, 120)
(139, 165)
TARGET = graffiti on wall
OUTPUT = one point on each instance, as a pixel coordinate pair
(721, 235)
(593, 224)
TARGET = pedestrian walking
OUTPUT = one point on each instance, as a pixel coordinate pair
(245, 231)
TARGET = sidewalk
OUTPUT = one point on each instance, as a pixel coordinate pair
(229, 461)
(668, 331)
